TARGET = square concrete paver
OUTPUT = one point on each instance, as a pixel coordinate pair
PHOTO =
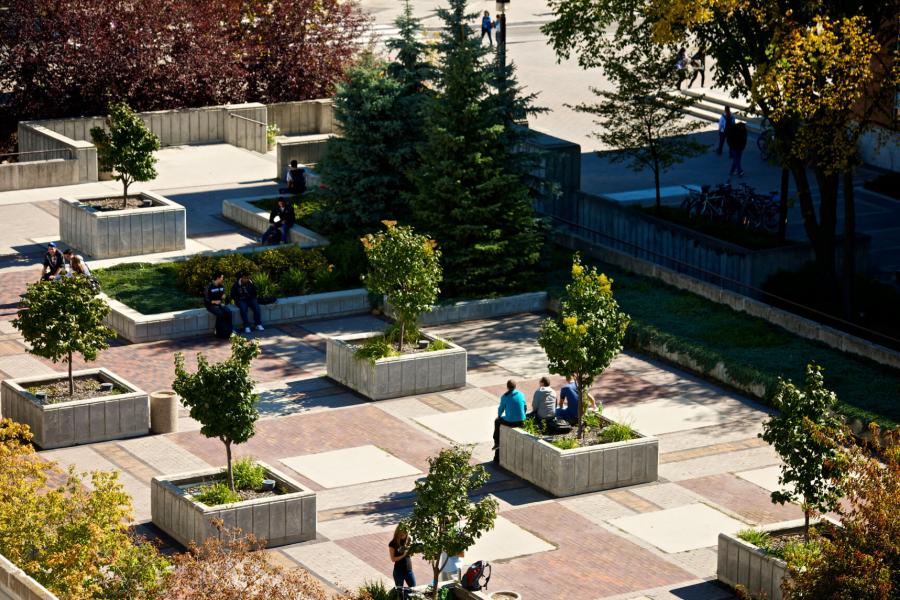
(463, 426)
(680, 529)
(671, 414)
(350, 466)
(506, 540)
(766, 477)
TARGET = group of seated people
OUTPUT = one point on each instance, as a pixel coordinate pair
(58, 264)
(243, 294)
(554, 413)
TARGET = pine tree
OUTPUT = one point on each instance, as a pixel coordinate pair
(470, 195)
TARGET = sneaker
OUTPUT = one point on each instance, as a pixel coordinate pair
(260, 328)
(246, 330)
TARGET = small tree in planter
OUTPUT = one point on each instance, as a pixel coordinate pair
(220, 396)
(587, 334)
(127, 149)
(63, 317)
(405, 267)
(808, 435)
(443, 519)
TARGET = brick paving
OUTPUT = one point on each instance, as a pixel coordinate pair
(744, 498)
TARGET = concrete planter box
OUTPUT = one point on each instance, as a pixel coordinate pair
(473, 310)
(16, 584)
(395, 376)
(280, 520)
(76, 422)
(137, 327)
(742, 563)
(579, 470)
(242, 212)
(116, 233)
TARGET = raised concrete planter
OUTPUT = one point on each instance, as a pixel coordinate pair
(63, 424)
(579, 470)
(395, 376)
(285, 519)
(136, 327)
(242, 212)
(473, 310)
(15, 584)
(116, 233)
(742, 563)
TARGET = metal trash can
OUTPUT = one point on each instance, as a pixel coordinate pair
(164, 411)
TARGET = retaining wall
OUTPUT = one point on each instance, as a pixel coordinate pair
(302, 118)
(305, 149)
(36, 136)
(243, 212)
(474, 310)
(15, 584)
(38, 173)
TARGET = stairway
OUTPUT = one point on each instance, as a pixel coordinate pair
(709, 104)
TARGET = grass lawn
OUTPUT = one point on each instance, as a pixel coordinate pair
(147, 288)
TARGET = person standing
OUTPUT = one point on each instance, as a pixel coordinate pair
(486, 27)
(498, 31)
(680, 67)
(726, 120)
(510, 413)
(736, 136)
(243, 293)
(698, 65)
(281, 219)
(213, 301)
(54, 263)
(398, 550)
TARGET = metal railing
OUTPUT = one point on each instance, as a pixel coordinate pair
(247, 119)
(68, 153)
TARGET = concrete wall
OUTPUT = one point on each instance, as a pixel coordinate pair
(395, 376)
(36, 136)
(881, 148)
(245, 126)
(305, 149)
(473, 310)
(38, 173)
(559, 160)
(15, 584)
(279, 520)
(242, 212)
(136, 327)
(302, 118)
(579, 470)
(115, 233)
(64, 424)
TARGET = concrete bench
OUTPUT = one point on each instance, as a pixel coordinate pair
(669, 195)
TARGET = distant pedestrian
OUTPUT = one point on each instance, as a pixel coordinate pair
(498, 31)
(486, 27)
(737, 142)
(243, 294)
(510, 413)
(213, 301)
(54, 263)
(726, 120)
(698, 66)
(281, 219)
(681, 63)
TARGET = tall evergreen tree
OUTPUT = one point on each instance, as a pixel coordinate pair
(470, 196)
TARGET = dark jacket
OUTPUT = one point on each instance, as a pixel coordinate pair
(297, 184)
(286, 214)
(213, 292)
(736, 136)
(54, 262)
(243, 291)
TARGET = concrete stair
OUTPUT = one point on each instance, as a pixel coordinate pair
(708, 106)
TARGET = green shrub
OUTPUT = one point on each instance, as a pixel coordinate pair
(375, 348)
(534, 427)
(392, 333)
(265, 287)
(195, 273)
(438, 344)
(798, 554)
(760, 539)
(345, 253)
(374, 590)
(592, 419)
(617, 432)
(294, 282)
(248, 475)
(216, 494)
(565, 443)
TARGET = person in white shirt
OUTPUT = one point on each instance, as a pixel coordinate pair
(726, 120)
(453, 568)
(75, 264)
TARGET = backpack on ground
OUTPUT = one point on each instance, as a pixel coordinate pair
(477, 576)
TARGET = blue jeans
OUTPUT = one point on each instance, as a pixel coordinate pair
(281, 228)
(401, 575)
(735, 161)
(253, 305)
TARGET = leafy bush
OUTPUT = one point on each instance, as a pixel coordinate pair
(411, 334)
(349, 259)
(374, 590)
(375, 348)
(438, 344)
(265, 287)
(617, 432)
(592, 419)
(758, 538)
(565, 443)
(248, 475)
(534, 427)
(216, 494)
(294, 282)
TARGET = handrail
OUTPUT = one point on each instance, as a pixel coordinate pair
(68, 150)
(247, 119)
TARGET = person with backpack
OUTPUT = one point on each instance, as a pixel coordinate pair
(398, 550)
(510, 413)
(736, 137)
(486, 27)
(726, 120)
(281, 219)
(295, 178)
(243, 294)
(213, 298)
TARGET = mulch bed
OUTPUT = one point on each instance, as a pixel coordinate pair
(244, 494)
(115, 203)
(85, 387)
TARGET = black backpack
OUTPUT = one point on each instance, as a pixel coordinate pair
(478, 571)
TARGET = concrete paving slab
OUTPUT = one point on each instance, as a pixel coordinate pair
(350, 466)
(680, 529)
(506, 540)
(464, 426)
(164, 455)
(665, 495)
(23, 365)
(332, 563)
(743, 460)
(671, 414)
(598, 508)
(766, 477)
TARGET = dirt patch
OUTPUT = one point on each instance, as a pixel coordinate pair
(115, 203)
(85, 387)
(244, 494)
(593, 436)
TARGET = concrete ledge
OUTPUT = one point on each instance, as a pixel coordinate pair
(742, 563)
(115, 233)
(242, 212)
(395, 376)
(579, 470)
(136, 327)
(38, 173)
(280, 520)
(473, 310)
(64, 424)
(305, 149)
(15, 584)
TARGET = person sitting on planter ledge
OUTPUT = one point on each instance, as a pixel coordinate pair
(510, 413)
(212, 299)
(281, 220)
(243, 293)
(543, 404)
(569, 398)
(54, 263)
(295, 178)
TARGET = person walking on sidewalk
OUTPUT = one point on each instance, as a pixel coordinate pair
(698, 66)
(243, 293)
(486, 26)
(726, 120)
(737, 142)
(510, 413)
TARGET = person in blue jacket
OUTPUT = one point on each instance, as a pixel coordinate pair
(510, 413)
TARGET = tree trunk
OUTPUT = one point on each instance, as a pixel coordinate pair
(402, 335)
(849, 257)
(656, 183)
(71, 379)
(783, 205)
(437, 571)
(230, 472)
(807, 209)
(582, 398)
(806, 524)
(125, 183)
